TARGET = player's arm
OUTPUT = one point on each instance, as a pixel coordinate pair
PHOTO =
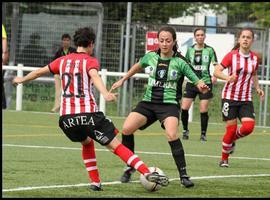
(108, 96)
(219, 74)
(32, 75)
(259, 91)
(133, 70)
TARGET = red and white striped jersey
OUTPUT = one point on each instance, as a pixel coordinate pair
(244, 66)
(77, 87)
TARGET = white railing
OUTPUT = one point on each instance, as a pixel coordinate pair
(104, 74)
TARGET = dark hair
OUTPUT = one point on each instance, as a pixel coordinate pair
(173, 32)
(65, 35)
(84, 36)
(198, 29)
(239, 34)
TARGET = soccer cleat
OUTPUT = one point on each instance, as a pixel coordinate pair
(224, 163)
(203, 138)
(186, 182)
(232, 148)
(157, 178)
(185, 134)
(125, 178)
(95, 187)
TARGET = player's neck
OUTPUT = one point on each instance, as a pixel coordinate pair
(199, 46)
(83, 50)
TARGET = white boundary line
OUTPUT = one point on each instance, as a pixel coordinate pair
(141, 152)
(118, 182)
(117, 117)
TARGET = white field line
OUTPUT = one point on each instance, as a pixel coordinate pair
(117, 117)
(139, 152)
(118, 182)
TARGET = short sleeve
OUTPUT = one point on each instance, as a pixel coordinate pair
(227, 60)
(92, 63)
(4, 33)
(214, 59)
(144, 60)
(54, 66)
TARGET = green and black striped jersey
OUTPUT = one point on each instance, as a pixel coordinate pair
(201, 59)
(166, 76)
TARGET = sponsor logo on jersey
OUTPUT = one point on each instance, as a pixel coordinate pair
(162, 65)
(167, 85)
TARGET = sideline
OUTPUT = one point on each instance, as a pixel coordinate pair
(118, 182)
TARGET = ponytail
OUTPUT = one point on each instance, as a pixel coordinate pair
(236, 46)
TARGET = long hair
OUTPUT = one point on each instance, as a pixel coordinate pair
(173, 32)
(240, 33)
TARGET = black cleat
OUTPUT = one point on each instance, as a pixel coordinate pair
(186, 182)
(232, 148)
(125, 178)
(224, 163)
(185, 134)
(203, 138)
(95, 187)
(157, 178)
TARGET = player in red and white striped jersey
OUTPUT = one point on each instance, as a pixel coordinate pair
(242, 65)
(80, 119)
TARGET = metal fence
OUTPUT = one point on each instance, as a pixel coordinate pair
(110, 48)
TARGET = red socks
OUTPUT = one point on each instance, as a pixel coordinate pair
(89, 158)
(131, 159)
(246, 128)
(227, 140)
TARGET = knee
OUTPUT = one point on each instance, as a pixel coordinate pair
(247, 127)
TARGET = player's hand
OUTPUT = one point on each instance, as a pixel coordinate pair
(232, 78)
(111, 96)
(17, 80)
(260, 92)
(117, 84)
(203, 88)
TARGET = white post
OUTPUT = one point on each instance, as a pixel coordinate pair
(190, 112)
(102, 103)
(19, 92)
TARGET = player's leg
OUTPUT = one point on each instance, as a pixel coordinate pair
(204, 118)
(134, 161)
(230, 112)
(247, 117)
(204, 104)
(171, 129)
(129, 128)
(57, 97)
(185, 105)
(190, 94)
(89, 158)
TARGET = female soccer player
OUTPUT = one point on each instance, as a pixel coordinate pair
(200, 55)
(242, 65)
(80, 119)
(166, 70)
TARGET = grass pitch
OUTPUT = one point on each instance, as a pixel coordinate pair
(39, 161)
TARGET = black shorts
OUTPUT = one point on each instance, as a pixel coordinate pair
(237, 109)
(95, 125)
(191, 91)
(156, 111)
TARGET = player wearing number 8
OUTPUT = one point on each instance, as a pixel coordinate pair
(242, 65)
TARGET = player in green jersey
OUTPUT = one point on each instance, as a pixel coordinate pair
(166, 69)
(200, 56)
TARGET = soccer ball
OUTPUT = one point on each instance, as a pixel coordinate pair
(151, 186)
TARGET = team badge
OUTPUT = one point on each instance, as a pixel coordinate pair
(161, 73)
(205, 58)
(174, 74)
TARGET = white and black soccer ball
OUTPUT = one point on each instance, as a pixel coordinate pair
(151, 186)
